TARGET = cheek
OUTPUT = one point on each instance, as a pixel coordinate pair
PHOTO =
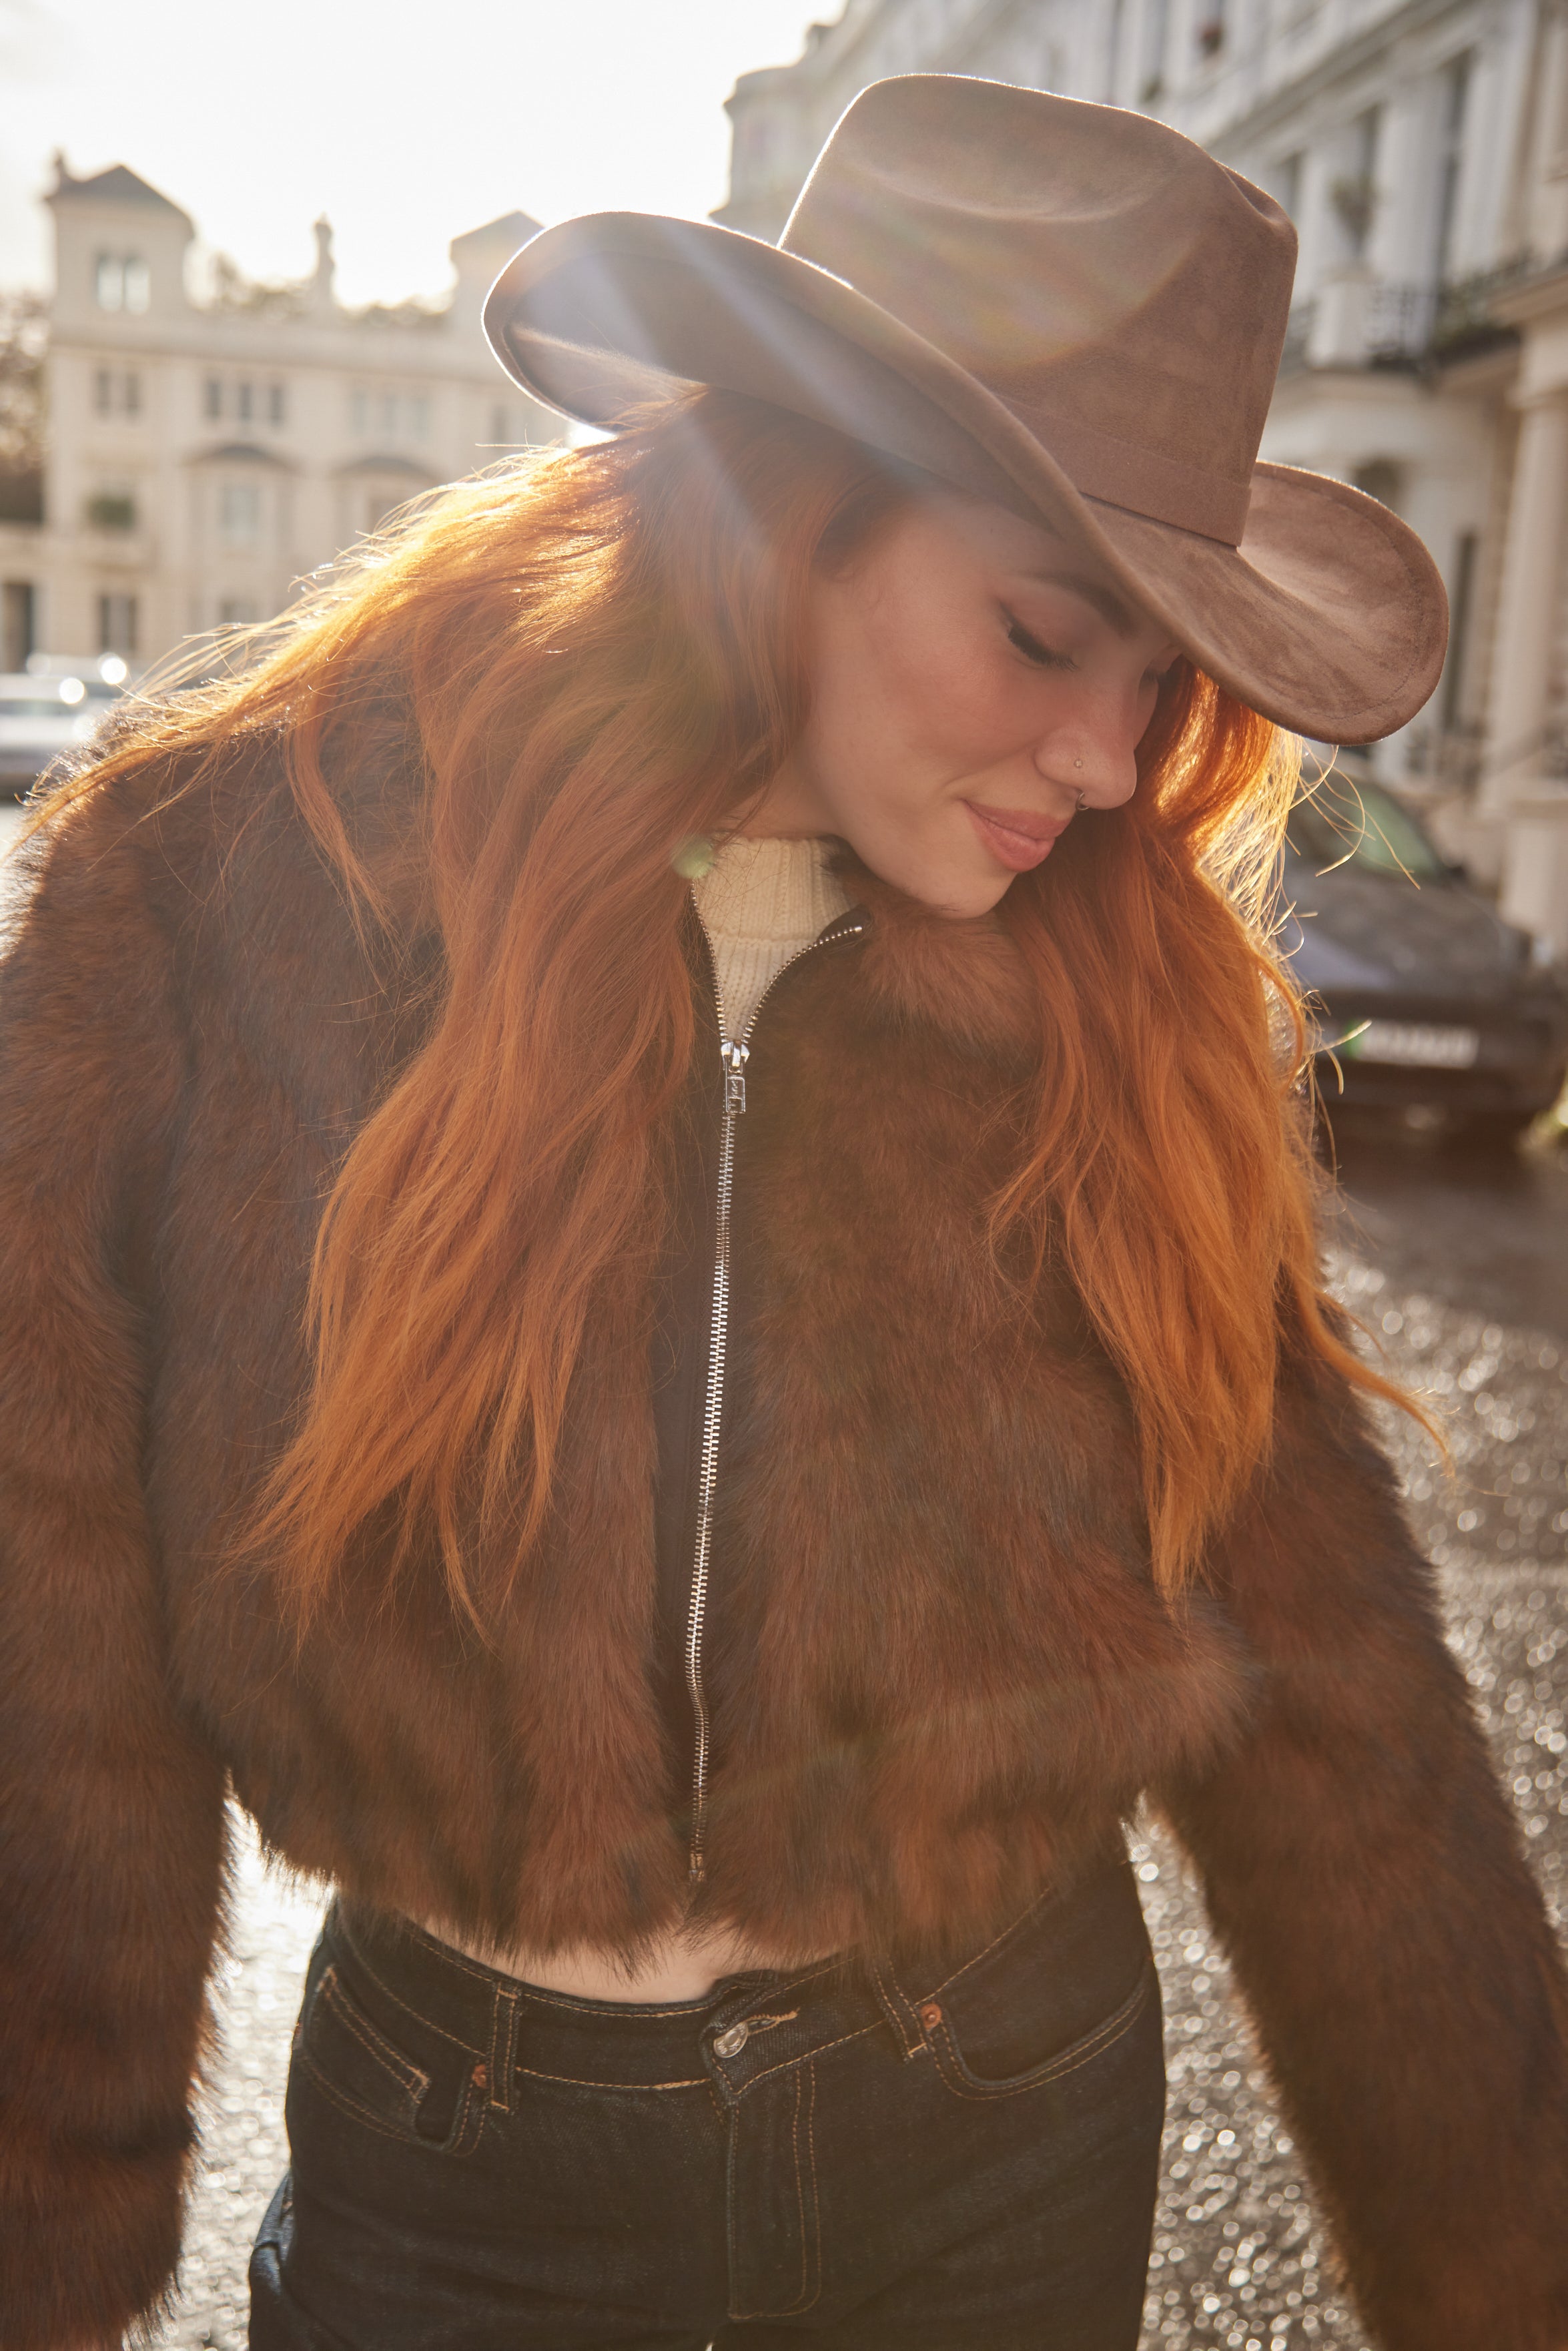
(928, 707)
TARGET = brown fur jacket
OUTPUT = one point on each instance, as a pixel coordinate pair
(941, 1673)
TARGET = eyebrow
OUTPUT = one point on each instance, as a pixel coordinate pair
(1111, 609)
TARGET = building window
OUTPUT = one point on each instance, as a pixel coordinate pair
(244, 402)
(1382, 479)
(236, 611)
(1151, 63)
(1353, 194)
(1288, 184)
(1210, 29)
(117, 392)
(117, 624)
(395, 417)
(276, 404)
(212, 398)
(1456, 93)
(111, 510)
(18, 624)
(1460, 605)
(121, 282)
(239, 513)
(1113, 51)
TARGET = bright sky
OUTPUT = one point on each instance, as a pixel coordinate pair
(405, 120)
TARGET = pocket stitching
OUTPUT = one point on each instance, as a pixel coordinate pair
(964, 2085)
(387, 1992)
(409, 2077)
(412, 2081)
(466, 2133)
(352, 2106)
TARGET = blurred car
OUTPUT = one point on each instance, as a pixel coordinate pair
(49, 708)
(1423, 998)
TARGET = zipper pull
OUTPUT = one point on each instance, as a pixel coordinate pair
(735, 1060)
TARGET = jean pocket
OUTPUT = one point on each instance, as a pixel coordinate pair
(351, 2062)
(942, 2032)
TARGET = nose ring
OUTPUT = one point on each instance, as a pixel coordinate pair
(1082, 802)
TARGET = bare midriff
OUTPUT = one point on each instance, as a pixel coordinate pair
(683, 1966)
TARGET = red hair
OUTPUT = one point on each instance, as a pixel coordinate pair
(602, 652)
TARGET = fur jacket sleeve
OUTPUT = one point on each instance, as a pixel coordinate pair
(1365, 1869)
(110, 1803)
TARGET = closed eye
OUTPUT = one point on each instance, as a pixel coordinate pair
(1031, 647)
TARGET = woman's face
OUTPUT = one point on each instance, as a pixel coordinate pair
(972, 676)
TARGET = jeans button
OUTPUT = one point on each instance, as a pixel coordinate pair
(731, 2044)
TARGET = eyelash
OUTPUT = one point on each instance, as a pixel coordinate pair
(1031, 647)
(1042, 657)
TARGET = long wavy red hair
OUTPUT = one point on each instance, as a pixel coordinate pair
(601, 652)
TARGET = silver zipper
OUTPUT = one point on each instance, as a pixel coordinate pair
(733, 1054)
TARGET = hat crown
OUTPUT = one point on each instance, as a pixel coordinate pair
(1124, 294)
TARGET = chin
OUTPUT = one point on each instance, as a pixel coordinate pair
(950, 883)
(965, 899)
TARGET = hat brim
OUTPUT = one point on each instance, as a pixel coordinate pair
(1330, 617)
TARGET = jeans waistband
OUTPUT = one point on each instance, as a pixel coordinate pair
(503, 2030)
(512, 2027)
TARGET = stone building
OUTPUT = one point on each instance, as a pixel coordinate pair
(1421, 146)
(204, 454)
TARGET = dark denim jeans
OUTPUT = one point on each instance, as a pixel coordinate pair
(841, 2155)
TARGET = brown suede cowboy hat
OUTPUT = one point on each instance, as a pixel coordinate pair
(1067, 307)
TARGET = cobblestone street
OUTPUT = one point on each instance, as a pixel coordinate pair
(1463, 1274)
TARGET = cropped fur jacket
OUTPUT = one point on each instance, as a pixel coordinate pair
(936, 1675)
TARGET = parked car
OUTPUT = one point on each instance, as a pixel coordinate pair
(48, 709)
(1423, 998)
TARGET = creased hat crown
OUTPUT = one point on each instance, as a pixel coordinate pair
(1122, 292)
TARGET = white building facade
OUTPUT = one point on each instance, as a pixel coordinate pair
(204, 455)
(1421, 147)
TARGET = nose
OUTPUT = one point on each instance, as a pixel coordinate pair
(1092, 748)
(1098, 765)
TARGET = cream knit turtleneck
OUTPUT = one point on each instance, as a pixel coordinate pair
(762, 902)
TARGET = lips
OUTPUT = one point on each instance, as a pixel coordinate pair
(1017, 838)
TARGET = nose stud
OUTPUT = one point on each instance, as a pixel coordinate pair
(1078, 763)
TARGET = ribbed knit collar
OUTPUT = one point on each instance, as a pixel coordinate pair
(780, 891)
(762, 902)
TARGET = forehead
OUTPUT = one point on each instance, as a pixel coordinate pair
(1031, 552)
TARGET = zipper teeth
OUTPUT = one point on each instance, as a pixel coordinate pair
(712, 1398)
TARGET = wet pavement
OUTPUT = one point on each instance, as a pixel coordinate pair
(1459, 1266)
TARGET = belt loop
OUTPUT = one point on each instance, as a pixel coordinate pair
(503, 2047)
(896, 2007)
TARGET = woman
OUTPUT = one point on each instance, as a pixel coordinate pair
(694, 1449)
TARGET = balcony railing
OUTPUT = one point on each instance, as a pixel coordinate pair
(1358, 320)
(1400, 319)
